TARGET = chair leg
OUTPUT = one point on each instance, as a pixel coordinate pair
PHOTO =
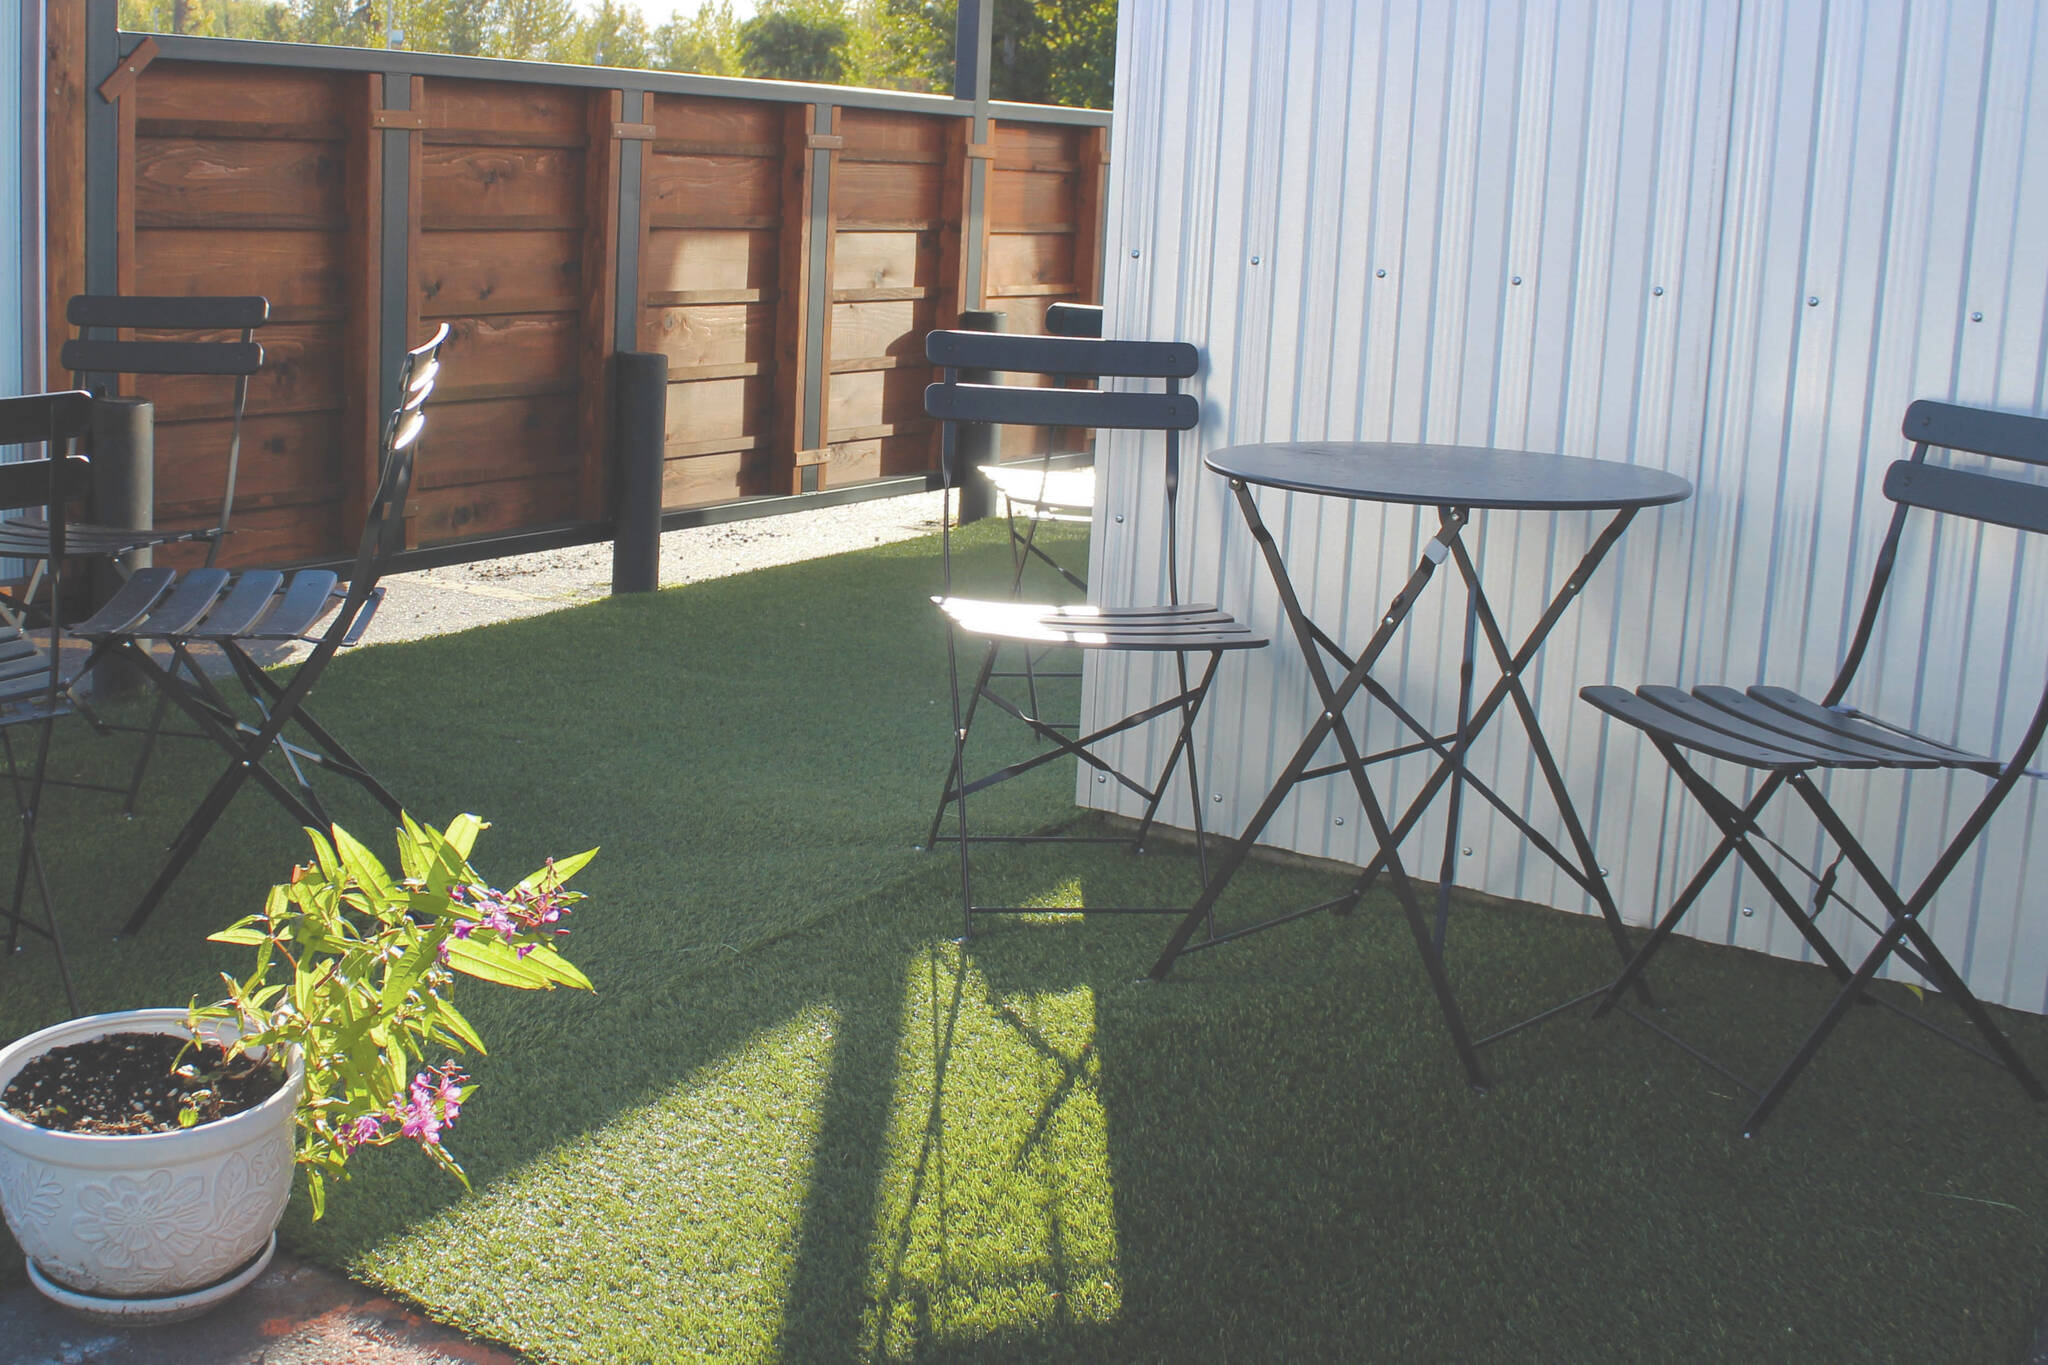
(187, 843)
(29, 858)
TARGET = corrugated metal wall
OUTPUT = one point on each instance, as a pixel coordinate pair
(15, 107)
(1731, 240)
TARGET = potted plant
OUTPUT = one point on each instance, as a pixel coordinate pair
(185, 1126)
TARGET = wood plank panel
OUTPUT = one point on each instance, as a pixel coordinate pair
(865, 330)
(700, 480)
(260, 97)
(183, 182)
(882, 260)
(291, 458)
(868, 398)
(1029, 259)
(892, 136)
(475, 185)
(488, 509)
(506, 109)
(714, 334)
(714, 191)
(684, 260)
(462, 274)
(712, 409)
(493, 354)
(1032, 199)
(859, 461)
(500, 439)
(712, 122)
(887, 193)
(301, 372)
(301, 273)
(267, 536)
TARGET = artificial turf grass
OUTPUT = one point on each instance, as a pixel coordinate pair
(798, 1122)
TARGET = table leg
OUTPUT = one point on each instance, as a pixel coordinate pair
(1334, 699)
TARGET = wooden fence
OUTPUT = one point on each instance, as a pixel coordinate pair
(784, 246)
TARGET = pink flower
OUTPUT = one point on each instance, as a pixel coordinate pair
(368, 1128)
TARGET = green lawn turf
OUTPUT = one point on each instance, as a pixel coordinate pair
(799, 1122)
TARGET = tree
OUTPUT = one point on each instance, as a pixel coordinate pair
(612, 35)
(795, 40)
(708, 44)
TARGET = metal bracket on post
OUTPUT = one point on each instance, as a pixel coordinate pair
(642, 388)
(975, 443)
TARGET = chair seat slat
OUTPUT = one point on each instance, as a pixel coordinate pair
(190, 600)
(1903, 742)
(304, 600)
(246, 599)
(1653, 719)
(1738, 726)
(131, 602)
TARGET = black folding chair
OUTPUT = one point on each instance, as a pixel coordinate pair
(99, 355)
(1790, 738)
(235, 611)
(31, 682)
(1176, 628)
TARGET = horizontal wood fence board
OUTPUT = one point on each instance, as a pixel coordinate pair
(189, 182)
(701, 480)
(506, 183)
(713, 334)
(501, 439)
(485, 509)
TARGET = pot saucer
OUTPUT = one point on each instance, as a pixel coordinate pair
(153, 1312)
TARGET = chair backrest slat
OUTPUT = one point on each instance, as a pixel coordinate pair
(1017, 406)
(183, 314)
(162, 357)
(27, 483)
(384, 526)
(54, 417)
(1966, 493)
(2002, 435)
(1084, 357)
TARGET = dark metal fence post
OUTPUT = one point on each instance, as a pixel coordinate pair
(642, 387)
(976, 443)
(123, 494)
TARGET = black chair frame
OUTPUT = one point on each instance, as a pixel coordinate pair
(235, 611)
(1789, 738)
(31, 676)
(1180, 629)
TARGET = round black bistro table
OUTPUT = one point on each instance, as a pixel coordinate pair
(1457, 481)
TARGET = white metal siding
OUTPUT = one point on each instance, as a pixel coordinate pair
(11, 204)
(1671, 181)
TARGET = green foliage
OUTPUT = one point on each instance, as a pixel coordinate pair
(1045, 51)
(795, 40)
(371, 962)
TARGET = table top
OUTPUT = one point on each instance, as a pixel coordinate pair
(1454, 476)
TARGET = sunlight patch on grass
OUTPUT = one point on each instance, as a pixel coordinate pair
(674, 1226)
(997, 1219)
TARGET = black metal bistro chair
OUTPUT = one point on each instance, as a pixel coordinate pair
(100, 355)
(1196, 635)
(236, 611)
(31, 683)
(1790, 739)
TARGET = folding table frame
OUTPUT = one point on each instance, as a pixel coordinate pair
(1456, 481)
(1789, 738)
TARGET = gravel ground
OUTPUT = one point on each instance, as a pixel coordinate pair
(438, 601)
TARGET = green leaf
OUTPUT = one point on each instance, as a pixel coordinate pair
(323, 854)
(562, 869)
(450, 1020)
(407, 971)
(247, 937)
(557, 968)
(461, 834)
(494, 962)
(363, 865)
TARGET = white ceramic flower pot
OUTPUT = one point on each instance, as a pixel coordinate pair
(150, 1216)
